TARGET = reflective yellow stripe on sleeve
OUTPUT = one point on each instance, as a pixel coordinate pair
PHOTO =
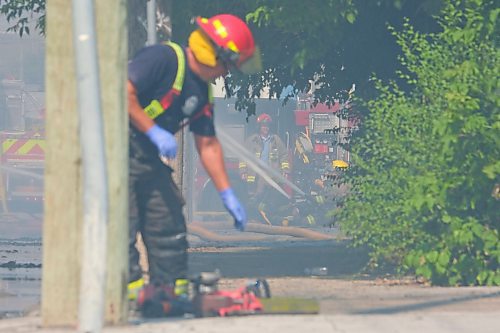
(310, 219)
(154, 109)
(320, 199)
(242, 165)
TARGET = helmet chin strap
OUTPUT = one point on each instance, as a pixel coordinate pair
(228, 55)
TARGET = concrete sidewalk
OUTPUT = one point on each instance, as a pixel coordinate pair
(360, 305)
(458, 322)
(345, 306)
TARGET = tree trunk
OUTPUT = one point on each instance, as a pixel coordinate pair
(62, 232)
(63, 203)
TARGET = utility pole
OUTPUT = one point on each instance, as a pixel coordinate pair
(63, 218)
(95, 188)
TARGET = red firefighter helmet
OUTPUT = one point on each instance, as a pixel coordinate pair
(231, 36)
(264, 119)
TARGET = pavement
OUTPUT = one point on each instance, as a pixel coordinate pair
(405, 323)
(380, 305)
(350, 301)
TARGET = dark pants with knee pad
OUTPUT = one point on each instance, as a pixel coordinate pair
(155, 210)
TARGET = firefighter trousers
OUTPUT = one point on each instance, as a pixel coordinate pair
(155, 211)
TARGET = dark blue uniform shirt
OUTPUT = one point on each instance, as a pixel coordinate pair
(153, 71)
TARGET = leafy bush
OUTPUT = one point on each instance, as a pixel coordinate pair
(424, 185)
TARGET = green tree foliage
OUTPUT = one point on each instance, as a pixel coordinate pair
(22, 12)
(426, 159)
(291, 37)
(339, 42)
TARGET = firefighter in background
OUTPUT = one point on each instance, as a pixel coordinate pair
(324, 186)
(263, 200)
(339, 187)
(326, 194)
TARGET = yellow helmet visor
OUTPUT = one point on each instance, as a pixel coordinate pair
(202, 48)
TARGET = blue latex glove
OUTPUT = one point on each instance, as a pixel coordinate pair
(234, 207)
(163, 140)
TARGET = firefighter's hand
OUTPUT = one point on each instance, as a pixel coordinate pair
(244, 176)
(163, 140)
(234, 207)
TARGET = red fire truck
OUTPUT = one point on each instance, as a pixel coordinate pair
(316, 136)
(320, 156)
(22, 145)
(322, 134)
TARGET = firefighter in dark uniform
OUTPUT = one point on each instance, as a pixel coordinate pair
(168, 88)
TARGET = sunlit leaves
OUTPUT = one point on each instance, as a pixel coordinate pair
(426, 159)
(22, 12)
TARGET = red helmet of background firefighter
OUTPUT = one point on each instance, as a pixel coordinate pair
(264, 121)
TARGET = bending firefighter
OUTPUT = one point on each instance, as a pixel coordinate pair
(325, 195)
(264, 202)
(169, 88)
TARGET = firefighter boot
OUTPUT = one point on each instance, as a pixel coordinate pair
(133, 289)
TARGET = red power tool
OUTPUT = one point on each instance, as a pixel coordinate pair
(209, 301)
(204, 300)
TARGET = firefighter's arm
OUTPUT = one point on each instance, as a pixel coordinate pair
(137, 115)
(283, 155)
(161, 138)
(212, 158)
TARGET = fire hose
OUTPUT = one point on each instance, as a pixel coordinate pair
(262, 169)
(21, 172)
(197, 229)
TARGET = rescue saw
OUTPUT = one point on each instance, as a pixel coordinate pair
(203, 298)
